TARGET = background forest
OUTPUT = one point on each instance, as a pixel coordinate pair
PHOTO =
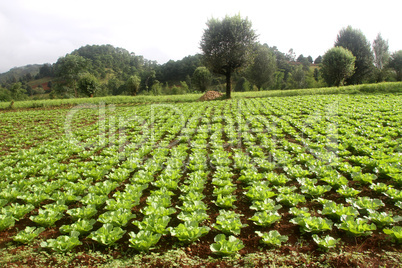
(104, 70)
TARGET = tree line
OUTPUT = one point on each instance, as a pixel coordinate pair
(232, 59)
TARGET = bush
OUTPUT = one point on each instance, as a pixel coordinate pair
(338, 64)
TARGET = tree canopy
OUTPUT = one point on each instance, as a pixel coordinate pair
(133, 84)
(202, 78)
(227, 45)
(88, 84)
(230, 52)
(355, 41)
(396, 64)
(338, 64)
(261, 71)
(69, 68)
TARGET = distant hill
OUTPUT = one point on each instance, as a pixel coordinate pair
(14, 74)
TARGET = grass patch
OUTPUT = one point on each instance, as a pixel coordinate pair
(107, 100)
(390, 87)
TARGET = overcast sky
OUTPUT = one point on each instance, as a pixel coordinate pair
(41, 31)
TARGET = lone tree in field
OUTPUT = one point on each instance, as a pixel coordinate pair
(338, 64)
(355, 41)
(228, 45)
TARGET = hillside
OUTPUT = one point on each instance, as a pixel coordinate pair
(14, 74)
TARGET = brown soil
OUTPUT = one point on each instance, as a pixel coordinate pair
(210, 95)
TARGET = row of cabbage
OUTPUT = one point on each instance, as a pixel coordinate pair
(286, 153)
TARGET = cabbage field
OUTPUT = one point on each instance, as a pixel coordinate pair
(297, 181)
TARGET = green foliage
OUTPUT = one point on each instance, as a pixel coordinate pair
(107, 234)
(58, 206)
(315, 190)
(225, 201)
(225, 190)
(318, 60)
(346, 191)
(300, 212)
(312, 224)
(94, 199)
(291, 199)
(296, 171)
(336, 211)
(88, 84)
(380, 187)
(66, 197)
(82, 226)
(133, 84)
(154, 223)
(261, 71)
(193, 205)
(69, 68)
(265, 218)
(115, 204)
(396, 64)
(17, 211)
(355, 41)
(356, 226)
(394, 194)
(276, 179)
(201, 79)
(272, 238)
(381, 56)
(85, 212)
(197, 216)
(395, 232)
(5, 95)
(17, 92)
(57, 172)
(226, 247)
(156, 88)
(265, 205)
(47, 217)
(243, 85)
(228, 222)
(3, 202)
(156, 209)
(189, 231)
(227, 45)
(260, 192)
(365, 203)
(63, 243)
(143, 240)
(382, 219)
(27, 235)
(338, 64)
(326, 242)
(6, 221)
(365, 178)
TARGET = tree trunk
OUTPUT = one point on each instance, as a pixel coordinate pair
(228, 84)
